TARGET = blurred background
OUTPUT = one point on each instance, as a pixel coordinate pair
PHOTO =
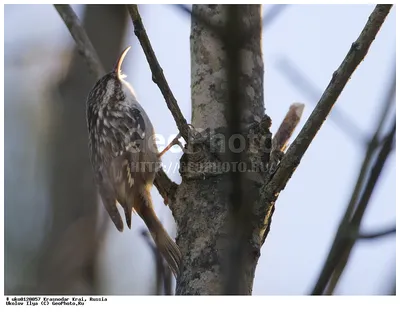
(57, 236)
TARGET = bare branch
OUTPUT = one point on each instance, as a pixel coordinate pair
(163, 183)
(374, 176)
(157, 72)
(377, 234)
(372, 146)
(388, 102)
(345, 224)
(83, 43)
(165, 186)
(340, 77)
(344, 243)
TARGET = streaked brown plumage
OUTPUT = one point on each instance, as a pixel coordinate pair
(124, 156)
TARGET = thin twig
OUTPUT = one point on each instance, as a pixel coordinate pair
(371, 147)
(377, 234)
(157, 72)
(375, 174)
(388, 102)
(83, 43)
(344, 252)
(345, 224)
(343, 243)
(340, 77)
(163, 183)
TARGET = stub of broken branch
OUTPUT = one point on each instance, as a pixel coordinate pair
(287, 127)
(157, 72)
(283, 135)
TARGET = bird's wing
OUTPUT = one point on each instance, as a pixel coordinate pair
(124, 181)
(108, 197)
(124, 169)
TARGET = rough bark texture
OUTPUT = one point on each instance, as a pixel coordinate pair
(208, 65)
(201, 204)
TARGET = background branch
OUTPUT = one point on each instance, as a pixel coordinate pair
(67, 262)
(344, 243)
(157, 72)
(272, 14)
(345, 229)
(83, 43)
(377, 233)
(345, 246)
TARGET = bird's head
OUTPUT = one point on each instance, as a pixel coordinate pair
(117, 72)
(112, 87)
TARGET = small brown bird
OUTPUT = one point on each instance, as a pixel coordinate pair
(124, 156)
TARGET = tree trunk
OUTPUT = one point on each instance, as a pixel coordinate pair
(201, 206)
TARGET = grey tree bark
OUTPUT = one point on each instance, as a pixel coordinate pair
(201, 205)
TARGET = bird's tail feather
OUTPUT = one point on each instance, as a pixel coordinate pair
(166, 246)
(168, 249)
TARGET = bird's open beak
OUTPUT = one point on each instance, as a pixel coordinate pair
(117, 66)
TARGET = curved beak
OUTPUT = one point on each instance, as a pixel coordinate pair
(117, 66)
